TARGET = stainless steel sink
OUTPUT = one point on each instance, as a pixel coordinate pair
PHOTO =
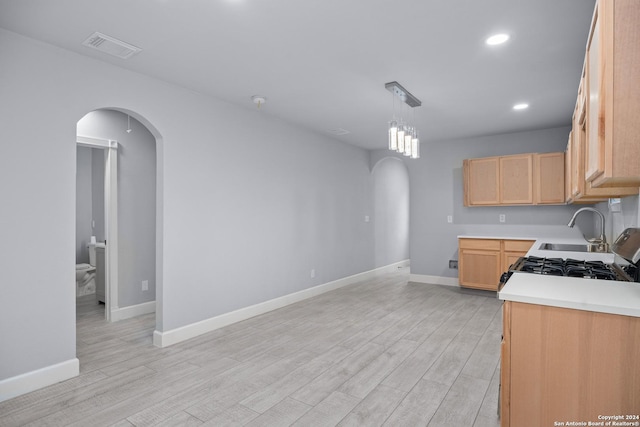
(567, 247)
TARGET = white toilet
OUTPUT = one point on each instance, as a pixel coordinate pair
(85, 274)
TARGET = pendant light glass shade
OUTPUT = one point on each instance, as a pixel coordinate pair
(407, 141)
(401, 133)
(393, 135)
(415, 145)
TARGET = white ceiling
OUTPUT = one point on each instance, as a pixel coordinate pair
(323, 63)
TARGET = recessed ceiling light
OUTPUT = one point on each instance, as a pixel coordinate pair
(522, 106)
(497, 39)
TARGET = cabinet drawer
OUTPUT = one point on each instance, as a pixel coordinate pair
(518, 245)
(486, 244)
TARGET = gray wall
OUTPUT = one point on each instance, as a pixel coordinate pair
(437, 191)
(136, 201)
(617, 221)
(391, 211)
(97, 192)
(89, 199)
(238, 225)
(84, 211)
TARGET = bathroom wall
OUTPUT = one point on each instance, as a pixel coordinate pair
(97, 192)
(136, 200)
(89, 199)
(84, 206)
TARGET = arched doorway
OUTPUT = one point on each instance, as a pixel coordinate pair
(130, 214)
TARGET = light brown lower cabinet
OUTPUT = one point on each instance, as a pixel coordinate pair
(481, 262)
(560, 364)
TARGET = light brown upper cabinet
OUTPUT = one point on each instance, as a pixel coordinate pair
(481, 181)
(549, 168)
(579, 189)
(612, 73)
(522, 179)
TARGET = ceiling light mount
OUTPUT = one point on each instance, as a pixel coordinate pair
(406, 97)
(258, 100)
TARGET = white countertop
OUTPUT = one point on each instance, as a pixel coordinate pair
(603, 296)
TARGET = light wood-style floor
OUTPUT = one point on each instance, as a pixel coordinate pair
(381, 352)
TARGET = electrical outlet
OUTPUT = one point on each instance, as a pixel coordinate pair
(145, 285)
(366, 218)
(449, 219)
(313, 273)
(453, 264)
(502, 218)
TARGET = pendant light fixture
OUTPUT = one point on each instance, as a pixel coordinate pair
(403, 137)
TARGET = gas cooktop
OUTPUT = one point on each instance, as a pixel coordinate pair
(571, 268)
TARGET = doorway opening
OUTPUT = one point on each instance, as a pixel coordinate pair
(129, 215)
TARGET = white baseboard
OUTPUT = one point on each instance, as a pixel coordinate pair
(133, 311)
(30, 381)
(173, 336)
(434, 280)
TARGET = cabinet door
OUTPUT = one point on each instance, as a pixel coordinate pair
(509, 258)
(549, 178)
(479, 269)
(512, 250)
(567, 170)
(482, 182)
(594, 130)
(584, 191)
(516, 179)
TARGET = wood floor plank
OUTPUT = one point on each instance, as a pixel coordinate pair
(283, 414)
(489, 407)
(453, 359)
(274, 393)
(181, 419)
(375, 408)
(73, 397)
(236, 415)
(38, 397)
(80, 412)
(184, 393)
(328, 412)
(368, 378)
(482, 361)
(419, 406)
(452, 411)
(322, 386)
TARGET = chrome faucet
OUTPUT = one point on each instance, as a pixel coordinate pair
(600, 243)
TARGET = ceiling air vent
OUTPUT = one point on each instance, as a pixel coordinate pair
(338, 132)
(112, 46)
